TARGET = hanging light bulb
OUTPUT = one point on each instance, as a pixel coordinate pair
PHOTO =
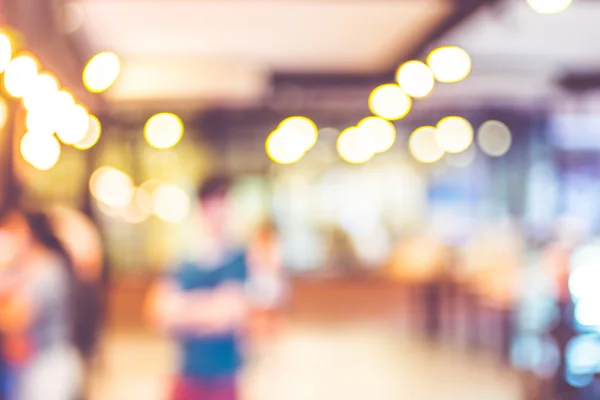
(454, 134)
(91, 136)
(73, 125)
(20, 74)
(449, 64)
(494, 138)
(42, 92)
(303, 128)
(354, 146)
(549, 6)
(390, 102)
(283, 148)
(415, 78)
(163, 130)
(101, 72)
(423, 145)
(40, 151)
(380, 133)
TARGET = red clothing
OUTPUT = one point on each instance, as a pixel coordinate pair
(224, 388)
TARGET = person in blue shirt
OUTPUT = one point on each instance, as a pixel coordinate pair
(202, 304)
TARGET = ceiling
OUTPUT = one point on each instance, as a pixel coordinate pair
(519, 54)
(225, 52)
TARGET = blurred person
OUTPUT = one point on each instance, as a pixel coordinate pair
(203, 305)
(83, 243)
(37, 292)
(267, 286)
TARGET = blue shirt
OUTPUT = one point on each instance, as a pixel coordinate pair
(211, 355)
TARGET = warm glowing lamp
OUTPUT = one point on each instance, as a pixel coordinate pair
(163, 130)
(20, 75)
(449, 64)
(381, 133)
(454, 134)
(354, 145)
(415, 78)
(101, 72)
(91, 136)
(390, 102)
(40, 151)
(423, 145)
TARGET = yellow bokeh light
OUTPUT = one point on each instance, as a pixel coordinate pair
(3, 112)
(423, 145)
(5, 51)
(101, 72)
(305, 131)
(494, 138)
(390, 102)
(454, 134)
(163, 130)
(40, 151)
(354, 146)
(381, 133)
(415, 78)
(449, 64)
(283, 148)
(171, 203)
(92, 135)
(42, 92)
(20, 74)
(40, 121)
(549, 6)
(73, 125)
(111, 186)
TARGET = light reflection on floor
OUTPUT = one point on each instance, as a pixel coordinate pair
(319, 362)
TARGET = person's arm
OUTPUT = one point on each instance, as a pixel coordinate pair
(267, 287)
(16, 312)
(197, 311)
(28, 296)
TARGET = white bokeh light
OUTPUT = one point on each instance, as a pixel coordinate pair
(494, 138)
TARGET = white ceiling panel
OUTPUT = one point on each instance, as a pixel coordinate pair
(169, 42)
(518, 53)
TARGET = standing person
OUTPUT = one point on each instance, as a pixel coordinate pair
(83, 243)
(35, 311)
(267, 288)
(202, 304)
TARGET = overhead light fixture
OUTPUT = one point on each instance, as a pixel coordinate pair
(494, 138)
(40, 151)
(353, 146)
(163, 130)
(423, 145)
(449, 64)
(415, 78)
(390, 102)
(20, 75)
(101, 72)
(454, 134)
(381, 133)
(549, 6)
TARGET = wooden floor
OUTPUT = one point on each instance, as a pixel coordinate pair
(340, 343)
(319, 362)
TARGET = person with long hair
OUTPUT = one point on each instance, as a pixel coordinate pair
(37, 315)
